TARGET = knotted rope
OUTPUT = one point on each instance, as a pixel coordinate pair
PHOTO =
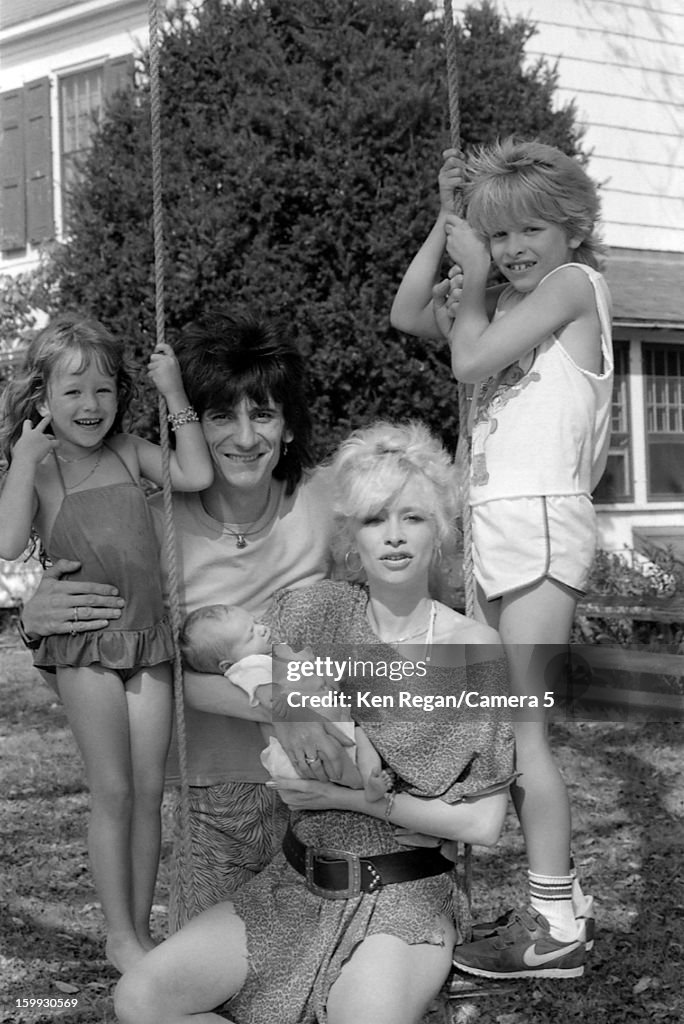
(463, 449)
(185, 864)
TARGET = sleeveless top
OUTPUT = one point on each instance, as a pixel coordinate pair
(541, 426)
(109, 531)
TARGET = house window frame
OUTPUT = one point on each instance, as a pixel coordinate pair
(622, 440)
(658, 498)
(62, 76)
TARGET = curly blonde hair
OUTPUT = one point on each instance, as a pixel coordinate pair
(516, 180)
(372, 467)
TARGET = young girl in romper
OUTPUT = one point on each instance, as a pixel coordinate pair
(538, 351)
(74, 478)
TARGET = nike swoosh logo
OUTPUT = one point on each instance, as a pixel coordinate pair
(533, 959)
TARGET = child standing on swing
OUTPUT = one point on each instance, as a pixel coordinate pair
(73, 477)
(538, 351)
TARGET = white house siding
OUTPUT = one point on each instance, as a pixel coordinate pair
(43, 39)
(622, 63)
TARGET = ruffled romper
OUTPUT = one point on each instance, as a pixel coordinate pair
(452, 755)
(109, 531)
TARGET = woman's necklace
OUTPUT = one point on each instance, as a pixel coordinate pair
(423, 631)
(90, 472)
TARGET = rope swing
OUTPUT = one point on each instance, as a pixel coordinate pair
(463, 449)
(184, 853)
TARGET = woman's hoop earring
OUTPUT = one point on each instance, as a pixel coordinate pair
(352, 570)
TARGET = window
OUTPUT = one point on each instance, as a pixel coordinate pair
(26, 155)
(616, 482)
(80, 111)
(663, 368)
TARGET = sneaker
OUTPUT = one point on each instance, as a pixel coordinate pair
(584, 913)
(523, 948)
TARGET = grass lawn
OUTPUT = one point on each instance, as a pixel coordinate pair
(627, 788)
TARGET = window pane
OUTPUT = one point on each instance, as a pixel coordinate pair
(616, 482)
(80, 109)
(666, 468)
(664, 372)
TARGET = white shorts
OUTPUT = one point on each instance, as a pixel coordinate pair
(519, 541)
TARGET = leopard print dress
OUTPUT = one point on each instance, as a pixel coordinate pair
(297, 941)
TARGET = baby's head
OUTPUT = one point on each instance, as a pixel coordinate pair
(217, 635)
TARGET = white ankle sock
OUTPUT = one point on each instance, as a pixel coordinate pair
(551, 895)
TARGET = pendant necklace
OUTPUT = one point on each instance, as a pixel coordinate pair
(241, 535)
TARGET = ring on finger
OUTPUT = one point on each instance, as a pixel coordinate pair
(76, 613)
(312, 760)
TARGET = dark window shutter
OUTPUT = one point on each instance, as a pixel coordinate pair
(118, 75)
(12, 174)
(40, 221)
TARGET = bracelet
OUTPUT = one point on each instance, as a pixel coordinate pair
(179, 419)
(389, 802)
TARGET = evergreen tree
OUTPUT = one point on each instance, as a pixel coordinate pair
(301, 145)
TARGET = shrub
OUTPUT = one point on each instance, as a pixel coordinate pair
(301, 142)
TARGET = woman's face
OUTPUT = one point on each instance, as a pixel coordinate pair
(396, 544)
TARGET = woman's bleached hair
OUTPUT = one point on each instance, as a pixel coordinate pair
(373, 466)
(515, 180)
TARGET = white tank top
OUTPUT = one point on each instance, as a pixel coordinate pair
(542, 425)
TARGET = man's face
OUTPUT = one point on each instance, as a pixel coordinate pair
(245, 442)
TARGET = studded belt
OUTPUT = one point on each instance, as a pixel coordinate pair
(338, 875)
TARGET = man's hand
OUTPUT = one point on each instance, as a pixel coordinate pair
(66, 606)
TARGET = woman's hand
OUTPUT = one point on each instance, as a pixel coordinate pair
(315, 748)
(451, 179)
(311, 795)
(66, 606)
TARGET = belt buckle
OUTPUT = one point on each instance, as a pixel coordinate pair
(353, 873)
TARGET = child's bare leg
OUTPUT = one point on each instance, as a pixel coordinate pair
(533, 623)
(149, 697)
(376, 780)
(95, 703)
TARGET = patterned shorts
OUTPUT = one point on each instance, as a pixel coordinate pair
(520, 541)
(236, 828)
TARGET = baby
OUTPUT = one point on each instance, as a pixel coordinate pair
(227, 639)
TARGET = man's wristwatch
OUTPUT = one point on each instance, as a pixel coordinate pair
(33, 643)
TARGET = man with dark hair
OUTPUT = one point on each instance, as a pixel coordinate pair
(263, 525)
